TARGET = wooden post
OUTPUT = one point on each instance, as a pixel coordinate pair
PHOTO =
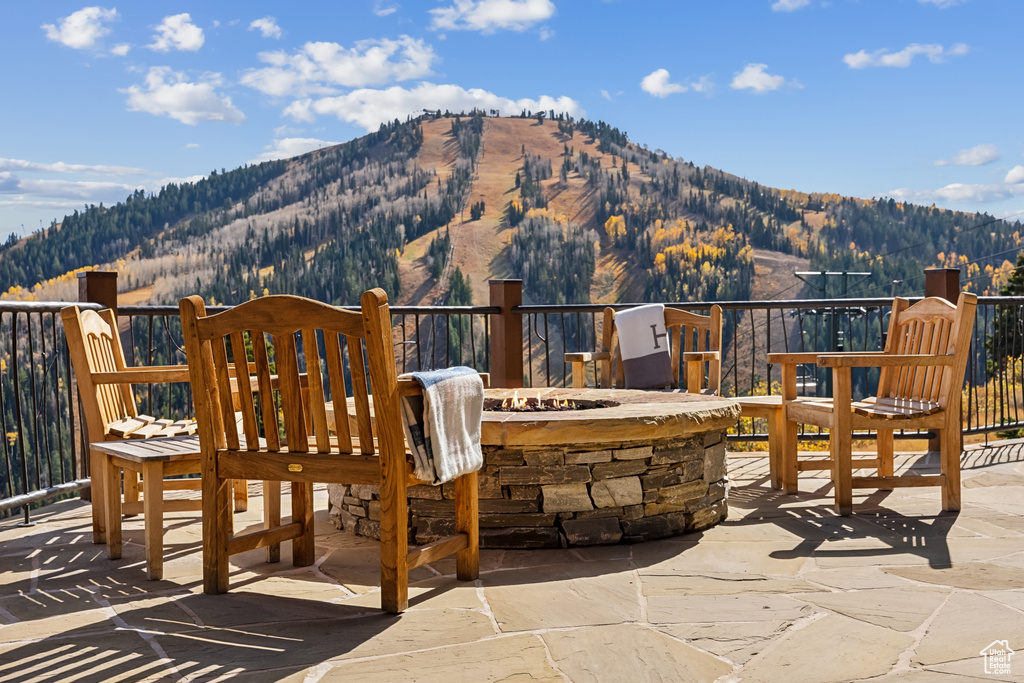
(96, 287)
(943, 283)
(506, 334)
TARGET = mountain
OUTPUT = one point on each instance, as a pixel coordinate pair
(433, 207)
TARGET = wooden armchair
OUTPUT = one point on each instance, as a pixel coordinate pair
(696, 343)
(292, 328)
(922, 375)
(105, 388)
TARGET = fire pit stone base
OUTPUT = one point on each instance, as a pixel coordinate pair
(550, 497)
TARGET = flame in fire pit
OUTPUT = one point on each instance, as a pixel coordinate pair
(515, 404)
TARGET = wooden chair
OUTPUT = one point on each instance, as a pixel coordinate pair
(696, 343)
(922, 375)
(111, 417)
(295, 328)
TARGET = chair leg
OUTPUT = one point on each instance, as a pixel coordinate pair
(241, 489)
(112, 506)
(788, 460)
(842, 472)
(394, 546)
(153, 518)
(775, 430)
(886, 468)
(131, 486)
(304, 545)
(216, 532)
(272, 515)
(467, 561)
(579, 375)
(98, 476)
(950, 463)
(840, 440)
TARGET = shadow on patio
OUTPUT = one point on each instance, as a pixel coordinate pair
(912, 591)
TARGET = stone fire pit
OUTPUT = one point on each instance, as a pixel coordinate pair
(651, 465)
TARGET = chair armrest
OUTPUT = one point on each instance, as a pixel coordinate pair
(689, 356)
(407, 386)
(868, 360)
(143, 375)
(809, 357)
(586, 356)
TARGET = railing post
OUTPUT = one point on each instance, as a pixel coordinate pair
(506, 334)
(95, 287)
(942, 282)
(98, 287)
(945, 284)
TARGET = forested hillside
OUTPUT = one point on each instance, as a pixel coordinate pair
(432, 207)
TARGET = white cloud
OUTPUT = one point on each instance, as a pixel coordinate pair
(120, 50)
(286, 148)
(316, 68)
(753, 77)
(936, 54)
(1015, 175)
(703, 84)
(61, 167)
(9, 182)
(605, 94)
(177, 32)
(65, 189)
(488, 16)
(81, 29)
(942, 3)
(789, 5)
(267, 26)
(960, 192)
(978, 155)
(369, 108)
(383, 8)
(656, 83)
(168, 93)
(192, 145)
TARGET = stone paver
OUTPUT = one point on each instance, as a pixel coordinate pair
(966, 624)
(517, 659)
(782, 590)
(594, 655)
(901, 609)
(833, 648)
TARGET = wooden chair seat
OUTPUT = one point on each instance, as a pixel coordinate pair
(146, 427)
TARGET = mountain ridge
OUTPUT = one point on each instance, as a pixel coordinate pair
(572, 207)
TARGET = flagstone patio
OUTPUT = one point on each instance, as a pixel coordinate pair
(783, 590)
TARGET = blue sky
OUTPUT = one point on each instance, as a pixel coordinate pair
(919, 100)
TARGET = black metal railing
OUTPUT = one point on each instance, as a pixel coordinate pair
(45, 453)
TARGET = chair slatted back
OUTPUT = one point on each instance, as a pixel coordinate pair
(687, 332)
(932, 327)
(287, 357)
(94, 346)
